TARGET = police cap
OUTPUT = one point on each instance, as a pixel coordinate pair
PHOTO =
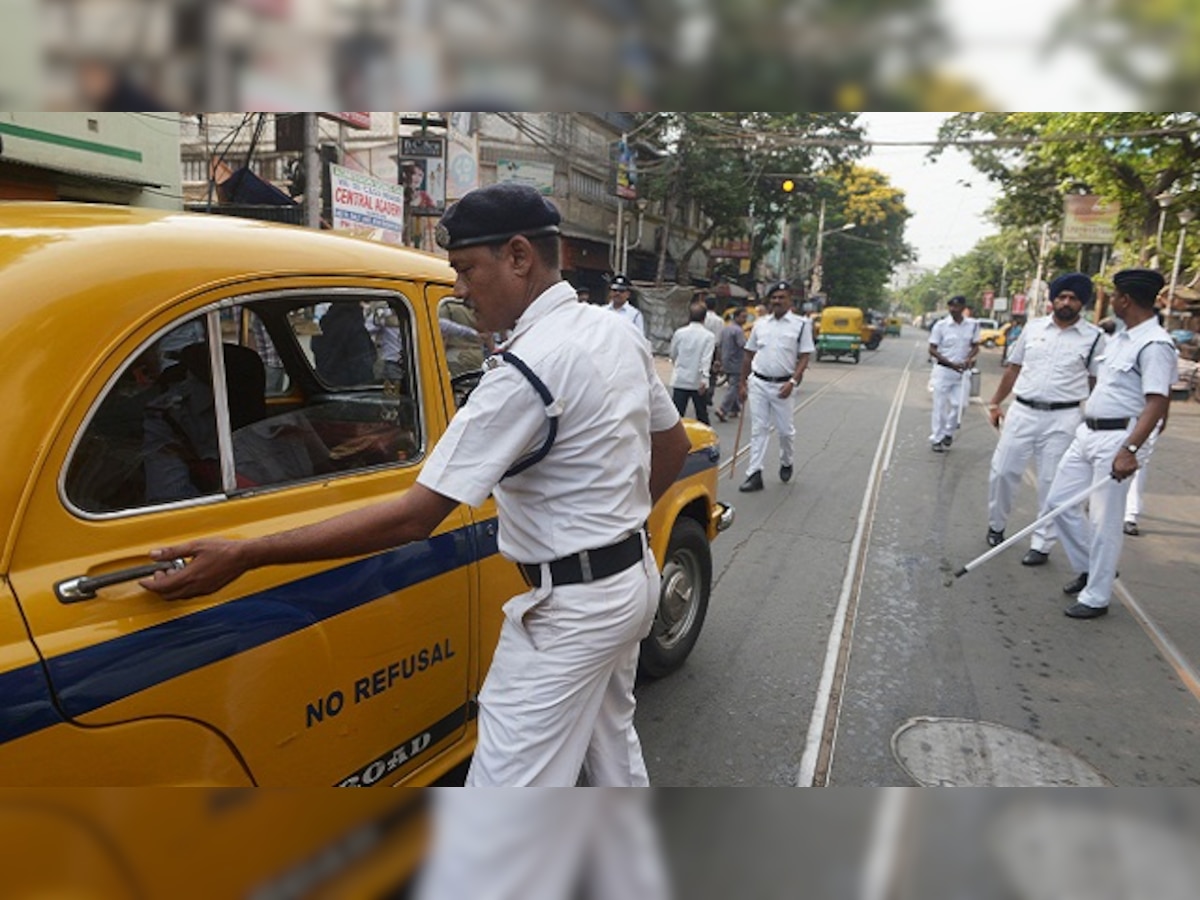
(779, 286)
(957, 300)
(1142, 285)
(620, 283)
(493, 214)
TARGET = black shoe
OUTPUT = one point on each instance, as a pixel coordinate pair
(752, 483)
(1036, 558)
(937, 447)
(995, 538)
(1083, 611)
(1131, 528)
(1074, 587)
(947, 441)
(785, 474)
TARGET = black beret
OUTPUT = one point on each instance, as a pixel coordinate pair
(621, 283)
(779, 286)
(1142, 285)
(1075, 282)
(493, 214)
(957, 300)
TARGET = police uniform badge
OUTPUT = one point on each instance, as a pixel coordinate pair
(441, 234)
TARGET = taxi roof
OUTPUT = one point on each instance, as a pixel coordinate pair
(76, 279)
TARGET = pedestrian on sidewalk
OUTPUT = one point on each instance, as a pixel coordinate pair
(692, 348)
(732, 347)
(953, 345)
(773, 365)
(1133, 387)
(1052, 369)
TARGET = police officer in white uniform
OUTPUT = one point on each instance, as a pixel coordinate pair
(953, 346)
(1052, 367)
(619, 292)
(773, 366)
(1133, 385)
(558, 698)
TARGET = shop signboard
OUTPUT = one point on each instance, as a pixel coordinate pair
(1088, 219)
(366, 206)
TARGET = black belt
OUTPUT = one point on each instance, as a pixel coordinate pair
(588, 565)
(1106, 424)
(1047, 407)
(946, 364)
(776, 379)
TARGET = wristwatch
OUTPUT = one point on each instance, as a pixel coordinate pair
(1132, 448)
(795, 382)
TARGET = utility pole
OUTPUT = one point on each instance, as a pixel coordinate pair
(312, 172)
(816, 273)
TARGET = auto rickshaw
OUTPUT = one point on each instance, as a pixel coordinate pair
(872, 331)
(840, 333)
(893, 325)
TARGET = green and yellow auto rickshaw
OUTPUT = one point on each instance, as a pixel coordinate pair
(840, 333)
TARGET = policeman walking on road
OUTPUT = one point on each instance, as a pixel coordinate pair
(1052, 368)
(773, 365)
(953, 345)
(1133, 384)
(574, 433)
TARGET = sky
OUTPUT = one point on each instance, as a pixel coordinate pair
(948, 198)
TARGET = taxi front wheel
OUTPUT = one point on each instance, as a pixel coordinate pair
(683, 600)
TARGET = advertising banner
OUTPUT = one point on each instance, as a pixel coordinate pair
(1088, 219)
(423, 174)
(534, 174)
(366, 206)
(625, 169)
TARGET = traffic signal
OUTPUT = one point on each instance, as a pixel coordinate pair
(788, 185)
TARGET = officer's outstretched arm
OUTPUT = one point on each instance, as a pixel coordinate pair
(215, 562)
(668, 451)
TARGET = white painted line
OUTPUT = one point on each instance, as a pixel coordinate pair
(881, 867)
(822, 708)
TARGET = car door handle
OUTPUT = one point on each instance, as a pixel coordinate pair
(82, 587)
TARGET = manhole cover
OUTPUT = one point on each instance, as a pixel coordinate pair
(963, 752)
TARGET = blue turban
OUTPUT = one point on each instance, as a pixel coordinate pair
(1076, 282)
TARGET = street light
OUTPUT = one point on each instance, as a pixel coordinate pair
(818, 262)
(1185, 217)
(1165, 199)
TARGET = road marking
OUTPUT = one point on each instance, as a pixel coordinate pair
(817, 758)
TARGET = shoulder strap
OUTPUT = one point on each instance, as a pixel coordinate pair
(1088, 362)
(543, 392)
(1137, 363)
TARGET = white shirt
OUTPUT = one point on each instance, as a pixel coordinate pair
(778, 343)
(692, 349)
(630, 314)
(714, 323)
(954, 339)
(1136, 362)
(593, 488)
(1056, 362)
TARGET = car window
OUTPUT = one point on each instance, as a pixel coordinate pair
(465, 346)
(306, 397)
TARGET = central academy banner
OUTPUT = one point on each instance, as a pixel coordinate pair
(366, 206)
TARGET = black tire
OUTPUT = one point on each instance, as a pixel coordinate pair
(682, 603)
(989, 343)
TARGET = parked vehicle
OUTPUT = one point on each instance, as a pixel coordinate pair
(872, 330)
(172, 376)
(841, 333)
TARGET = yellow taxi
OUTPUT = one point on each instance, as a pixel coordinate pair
(169, 376)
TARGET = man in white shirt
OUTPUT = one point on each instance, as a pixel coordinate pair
(558, 698)
(692, 348)
(619, 292)
(1052, 368)
(1133, 384)
(773, 365)
(953, 346)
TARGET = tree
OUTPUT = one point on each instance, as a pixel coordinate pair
(730, 165)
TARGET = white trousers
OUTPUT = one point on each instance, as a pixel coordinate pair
(768, 409)
(1029, 434)
(543, 845)
(1092, 542)
(1137, 484)
(558, 698)
(947, 402)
